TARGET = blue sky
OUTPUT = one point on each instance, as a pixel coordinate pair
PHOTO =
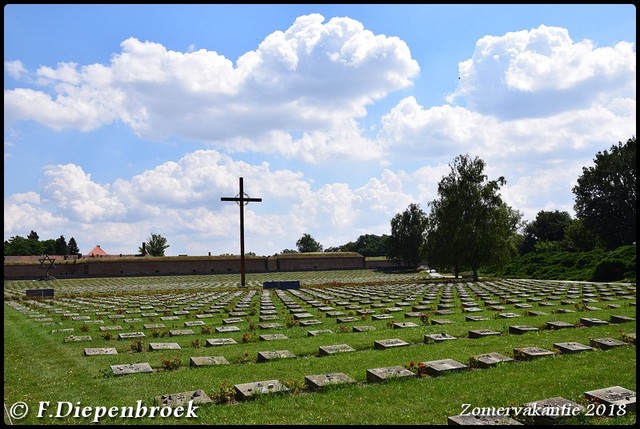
(125, 120)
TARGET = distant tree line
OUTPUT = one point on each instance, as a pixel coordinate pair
(32, 245)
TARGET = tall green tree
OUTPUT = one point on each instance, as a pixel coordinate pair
(154, 246)
(62, 248)
(605, 195)
(366, 245)
(33, 236)
(307, 243)
(407, 236)
(549, 226)
(20, 246)
(73, 247)
(470, 225)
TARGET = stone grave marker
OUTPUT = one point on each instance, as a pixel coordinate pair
(529, 353)
(310, 322)
(559, 325)
(265, 356)
(177, 332)
(443, 312)
(536, 313)
(621, 319)
(153, 325)
(100, 351)
(230, 328)
(475, 318)
(269, 317)
(551, 410)
(613, 397)
(508, 315)
(378, 375)
(169, 318)
(319, 332)
(414, 314)
(317, 382)
(207, 360)
(437, 338)
(305, 315)
(75, 338)
(441, 321)
(592, 321)
(111, 328)
(571, 347)
(53, 331)
(606, 343)
(381, 316)
(270, 325)
(333, 349)
(363, 328)
(400, 325)
(205, 315)
(389, 343)
(191, 323)
(164, 346)
(347, 319)
(131, 368)
(173, 400)
(522, 329)
(441, 366)
(247, 390)
(467, 419)
(211, 342)
(270, 337)
(488, 360)
(480, 333)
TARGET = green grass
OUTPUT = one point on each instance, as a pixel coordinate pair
(40, 366)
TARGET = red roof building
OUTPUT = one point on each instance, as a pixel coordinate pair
(97, 252)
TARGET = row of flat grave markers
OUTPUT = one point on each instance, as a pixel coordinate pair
(290, 303)
(433, 368)
(382, 298)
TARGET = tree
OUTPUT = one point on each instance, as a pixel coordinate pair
(407, 236)
(577, 238)
(33, 236)
(470, 226)
(548, 226)
(306, 243)
(62, 248)
(73, 247)
(154, 245)
(605, 196)
(20, 246)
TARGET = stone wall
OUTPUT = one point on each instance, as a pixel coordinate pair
(149, 266)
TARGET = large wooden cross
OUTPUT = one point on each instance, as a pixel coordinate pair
(242, 199)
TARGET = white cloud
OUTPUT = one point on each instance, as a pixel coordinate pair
(541, 72)
(311, 80)
(14, 69)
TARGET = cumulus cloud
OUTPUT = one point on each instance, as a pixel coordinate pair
(541, 72)
(311, 80)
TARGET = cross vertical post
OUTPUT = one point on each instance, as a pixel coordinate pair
(242, 199)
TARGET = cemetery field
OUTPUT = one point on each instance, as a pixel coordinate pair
(347, 347)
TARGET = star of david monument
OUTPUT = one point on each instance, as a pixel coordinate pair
(242, 199)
